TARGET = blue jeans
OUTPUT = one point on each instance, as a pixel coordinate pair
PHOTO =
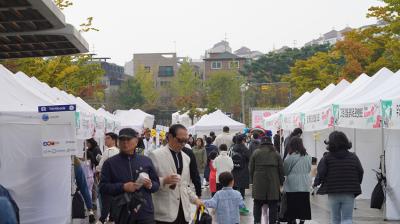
(342, 206)
(7, 213)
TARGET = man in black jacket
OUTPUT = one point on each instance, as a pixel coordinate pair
(120, 176)
(194, 172)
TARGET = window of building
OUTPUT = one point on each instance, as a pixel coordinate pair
(216, 65)
(166, 71)
(165, 83)
(234, 65)
(147, 68)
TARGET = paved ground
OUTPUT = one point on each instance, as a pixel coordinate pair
(320, 212)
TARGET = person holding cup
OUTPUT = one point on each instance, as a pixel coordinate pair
(172, 201)
(129, 175)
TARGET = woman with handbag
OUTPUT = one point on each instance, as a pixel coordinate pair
(297, 167)
(340, 172)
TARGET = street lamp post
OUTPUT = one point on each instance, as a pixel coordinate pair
(243, 89)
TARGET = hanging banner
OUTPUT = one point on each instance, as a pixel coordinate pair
(319, 119)
(84, 125)
(362, 116)
(273, 123)
(99, 127)
(58, 131)
(258, 116)
(391, 113)
(292, 121)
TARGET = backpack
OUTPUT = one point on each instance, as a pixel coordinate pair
(78, 206)
(237, 159)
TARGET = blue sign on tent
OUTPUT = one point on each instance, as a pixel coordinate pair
(56, 108)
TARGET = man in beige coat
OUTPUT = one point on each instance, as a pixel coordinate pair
(172, 201)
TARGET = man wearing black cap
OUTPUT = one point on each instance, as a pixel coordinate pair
(130, 175)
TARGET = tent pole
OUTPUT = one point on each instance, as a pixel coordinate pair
(315, 145)
(382, 162)
(355, 152)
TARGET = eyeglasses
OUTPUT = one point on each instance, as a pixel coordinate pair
(181, 140)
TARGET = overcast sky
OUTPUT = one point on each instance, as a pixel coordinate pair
(144, 26)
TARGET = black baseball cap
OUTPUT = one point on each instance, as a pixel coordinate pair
(128, 133)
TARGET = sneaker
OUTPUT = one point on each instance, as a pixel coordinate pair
(92, 219)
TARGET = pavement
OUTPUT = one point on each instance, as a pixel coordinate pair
(319, 209)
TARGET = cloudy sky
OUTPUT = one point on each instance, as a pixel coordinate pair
(144, 26)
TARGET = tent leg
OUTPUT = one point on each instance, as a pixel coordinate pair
(383, 165)
(355, 152)
(315, 145)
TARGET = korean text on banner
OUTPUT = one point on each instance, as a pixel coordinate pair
(362, 116)
(319, 119)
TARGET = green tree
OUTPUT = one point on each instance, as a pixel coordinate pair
(223, 91)
(272, 66)
(187, 90)
(128, 96)
(146, 82)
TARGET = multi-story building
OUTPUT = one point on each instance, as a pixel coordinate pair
(114, 74)
(222, 62)
(330, 37)
(245, 52)
(163, 66)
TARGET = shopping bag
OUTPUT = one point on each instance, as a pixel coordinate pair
(202, 216)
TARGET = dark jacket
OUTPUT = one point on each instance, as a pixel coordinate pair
(277, 143)
(242, 176)
(286, 146)
(210, 148)
(4, 193)
(254, 144)
(340, 172)
(194, 172)
(92, 155)
(266, 172)
(123, 168)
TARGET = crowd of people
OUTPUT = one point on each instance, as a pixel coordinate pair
(136, 182)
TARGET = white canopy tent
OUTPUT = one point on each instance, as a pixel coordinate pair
(40, 185)
(215, 122)
(356, 110)
(136, 119)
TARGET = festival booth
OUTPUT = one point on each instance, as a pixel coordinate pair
(357, 109)
(215, 122)
(184, 119)
(136, 119)
(32, 166)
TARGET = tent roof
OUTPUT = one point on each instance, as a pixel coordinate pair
(133, 118)
(216, 121)
(375, 83)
